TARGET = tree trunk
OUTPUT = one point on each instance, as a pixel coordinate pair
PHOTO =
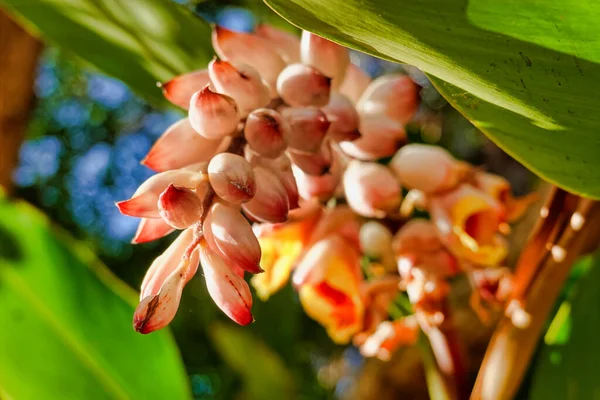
(19, 53)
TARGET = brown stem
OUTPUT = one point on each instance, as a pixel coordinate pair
(448, 353)
(558, 240)
(20, 52)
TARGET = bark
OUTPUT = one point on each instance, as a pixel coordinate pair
(19, 54)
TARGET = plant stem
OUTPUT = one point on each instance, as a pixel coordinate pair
(558, 240)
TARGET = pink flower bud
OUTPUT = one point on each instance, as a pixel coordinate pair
(343, 117)
(286, 177)
(328, 57)
(282, 167)
(168, 153)
(265, 130)
(315, 164)
(143, 203)
(393, 95)
(376, 242)
(270, 203)
(249, 49)
(151, 229)
(213, 115)
(232, 178)
(233, 237)
(241, 82)
(228, 290)
(321, 187)
(381, 137)
(286, 44)
(308, 127)
(163, 284)
(355, 82)
(180, 89)
(301, 85)
(427, 168)
(179, 207)
(371, 189)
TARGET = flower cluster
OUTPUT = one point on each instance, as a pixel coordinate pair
(277, 128)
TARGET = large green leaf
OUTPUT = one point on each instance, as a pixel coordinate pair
(264, 374)
(522, 71)
(138, 41)
(567, 365)
(66, 322)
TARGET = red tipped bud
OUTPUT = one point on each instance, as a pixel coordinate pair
(232, 237)
(330, 58)
(180, 89)
(371, 189)
(163, 284)
(394, 95)
(286, 44)
(179, 207)
(249, 49)
(265, 131)
(427, 168)
(355, 82)
(302, 85)
(143, 203)
(343, 117)
(308, 127)
(321, 187)
(241, 82)
(213, 115)
(232, 178)
(151, 229)
(270, 203)
(168, 152)
(228, 290)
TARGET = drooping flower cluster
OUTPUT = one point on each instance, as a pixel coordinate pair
(277, 127)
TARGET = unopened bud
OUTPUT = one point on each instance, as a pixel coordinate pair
(371, 189)
(308, 127)
(265, 130)
(381, 137)
(395, 96)
(427, 168)
(355, 82)
(328, 57)
(168, 153)
(249, 49)
(233, 237)
(343, 117)
(321, 187)
(241, 82)
(301, 85)
(179, 207)
(232, 178)
(213, 115)
(286, 44)
(180, 89)
(315, 164)
(270, 203)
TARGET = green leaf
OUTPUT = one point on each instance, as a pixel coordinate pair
(66, 322)
(141, 42)
(264, 374)
(523, 72)
(566, 367)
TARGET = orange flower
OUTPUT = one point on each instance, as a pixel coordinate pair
(281, 246)
(328, 280)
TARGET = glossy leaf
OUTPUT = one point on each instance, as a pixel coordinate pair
(66, 322)
(566, 366)
(264, 374)
(521, 71)
(141, 42)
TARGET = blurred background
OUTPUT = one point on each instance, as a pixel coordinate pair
(84, 140)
